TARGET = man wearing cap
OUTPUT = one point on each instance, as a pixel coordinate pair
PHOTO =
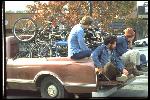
(124, 49)
(77, 48)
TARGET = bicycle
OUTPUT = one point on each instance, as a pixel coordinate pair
(27, 32)
(41, 41)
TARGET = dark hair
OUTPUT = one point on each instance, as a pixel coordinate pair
(110, 39)
(134, 30)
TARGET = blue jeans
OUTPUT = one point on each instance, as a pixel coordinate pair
(143, 60)
(82, 54)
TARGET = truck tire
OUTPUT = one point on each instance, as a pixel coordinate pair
(51, 88)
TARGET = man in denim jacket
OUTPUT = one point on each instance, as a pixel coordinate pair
(124, 49)
(77, 48)
(106, 61)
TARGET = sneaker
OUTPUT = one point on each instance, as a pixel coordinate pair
(138, 67)
(131, 76)
(144, 69)
(137, 73)
(144, 65)
(122, 78)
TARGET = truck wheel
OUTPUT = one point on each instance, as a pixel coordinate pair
(51, 88)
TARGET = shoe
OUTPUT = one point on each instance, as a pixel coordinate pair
(137, 73)
(144, 69)
(130, 76)
(122, 78)
(138, 67)
(144, 65)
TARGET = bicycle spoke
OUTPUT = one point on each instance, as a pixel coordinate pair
(24, 27)
(43, 39)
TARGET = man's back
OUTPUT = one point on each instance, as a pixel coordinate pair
(121, 45)
(75, 40)
(77, 48)
(100, 55)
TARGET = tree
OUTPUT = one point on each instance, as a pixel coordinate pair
(140, 25)
(9, 11)
(44, 11)
(105, 12)
(21, 11)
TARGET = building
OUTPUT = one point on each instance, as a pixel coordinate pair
(140, 13)
(10, 19)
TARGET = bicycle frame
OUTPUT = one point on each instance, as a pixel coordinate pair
(45, 37)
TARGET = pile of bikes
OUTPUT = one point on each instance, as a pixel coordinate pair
(46, 41)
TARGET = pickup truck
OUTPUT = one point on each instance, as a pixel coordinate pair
(55, 77)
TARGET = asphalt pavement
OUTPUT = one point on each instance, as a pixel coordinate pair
(142, 50)
(138, 88)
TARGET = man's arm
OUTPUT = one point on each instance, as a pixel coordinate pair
(118, 62)
(95, 56)
(81, 41)
(130, 45)
(120, 65)
(120, 39)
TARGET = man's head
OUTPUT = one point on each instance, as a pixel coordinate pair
(110, 41)
(129, 33)
(86, 21)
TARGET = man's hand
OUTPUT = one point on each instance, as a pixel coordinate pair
(125, 72)
(99, 70)
(130, 44)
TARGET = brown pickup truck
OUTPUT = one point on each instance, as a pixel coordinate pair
(55, 77)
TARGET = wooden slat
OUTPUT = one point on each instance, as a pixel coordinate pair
(107, 83)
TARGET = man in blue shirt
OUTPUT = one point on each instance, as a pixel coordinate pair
(106, 61)
(77, 48)
(124, 46)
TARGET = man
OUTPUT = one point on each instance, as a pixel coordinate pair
(106, 61)
(124, 49)
(77, 48)
(143, 61)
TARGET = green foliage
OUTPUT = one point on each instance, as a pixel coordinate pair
(140, 25)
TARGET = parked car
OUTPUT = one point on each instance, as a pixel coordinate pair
(56, 77)
(142, 42)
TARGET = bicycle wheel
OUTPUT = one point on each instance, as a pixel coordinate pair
(24, 50)
(23, 54)
(24, 29)
(41, 49)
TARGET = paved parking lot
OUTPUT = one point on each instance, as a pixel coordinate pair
(138, 88)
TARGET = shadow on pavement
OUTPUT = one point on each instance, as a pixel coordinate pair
(131, 93)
